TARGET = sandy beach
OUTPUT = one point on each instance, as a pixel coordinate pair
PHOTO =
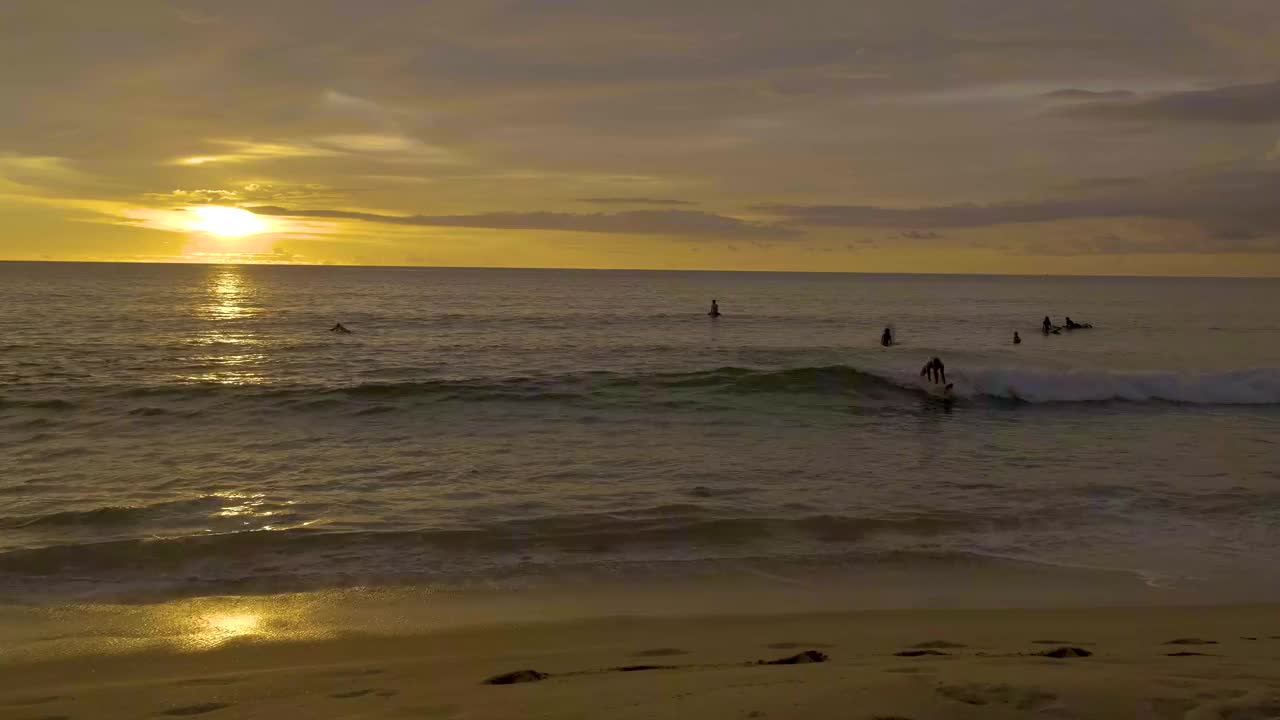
(1220, 662)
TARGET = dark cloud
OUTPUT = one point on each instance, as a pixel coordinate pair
(634, 201)
(1105, 183)
(1247, 243)
(1221, 203)
(1080, 95)
(1253, 104)
(636, 222)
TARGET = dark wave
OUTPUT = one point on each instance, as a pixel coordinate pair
(108, 516)
(1258, 386)
(656, 528)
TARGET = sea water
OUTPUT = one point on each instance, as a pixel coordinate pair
(184, 430)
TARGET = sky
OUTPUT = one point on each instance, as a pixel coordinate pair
(990, 136)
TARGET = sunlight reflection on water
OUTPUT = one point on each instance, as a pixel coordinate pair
(229, 296)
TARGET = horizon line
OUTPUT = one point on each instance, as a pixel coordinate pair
(615, 269)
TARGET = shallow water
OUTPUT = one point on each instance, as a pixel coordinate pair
(192, 430)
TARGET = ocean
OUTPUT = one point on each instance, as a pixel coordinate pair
(181, 431)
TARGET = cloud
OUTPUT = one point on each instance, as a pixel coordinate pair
(640, 222)
(921, 115)
(1076, 94)
(634, 201)
(239, 151)
(34, 171)
(1162, 242)
(1253, 104)
(1104, 183)
(1236, 205)
(247, 193)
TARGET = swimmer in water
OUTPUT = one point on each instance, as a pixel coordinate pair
(715, 309)
(338, 328)
(1016, 340)
(886, 338)
(935, 371)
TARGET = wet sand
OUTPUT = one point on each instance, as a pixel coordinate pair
(1180, 662)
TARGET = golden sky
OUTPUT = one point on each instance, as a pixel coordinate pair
(1003, 136)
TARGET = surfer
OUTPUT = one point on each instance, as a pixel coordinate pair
(1016, 340)
(1073, 325)
(338, 328)
(715, 309)
(934, 371)
(1048, 327)
(886, 337)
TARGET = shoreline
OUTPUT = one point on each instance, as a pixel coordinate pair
(1220, 662)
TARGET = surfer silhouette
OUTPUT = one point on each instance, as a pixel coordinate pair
(886, 338)
(1073, 325)
(715, 309)
(1016, 340)
(935, 371)
(340, 329)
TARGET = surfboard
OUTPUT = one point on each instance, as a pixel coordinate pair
(942, 392)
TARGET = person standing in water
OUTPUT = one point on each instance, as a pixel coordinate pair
(715, 309)
(886, 338)
(935, 371)
(1048, 326)
(1016, 340)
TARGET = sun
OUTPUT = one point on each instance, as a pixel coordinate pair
(226, 221)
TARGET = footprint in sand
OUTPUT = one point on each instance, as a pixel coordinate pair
(808, 656)
(197, 709)
(1065, 652)
(518, 676)
(938, 645)
(982, 694)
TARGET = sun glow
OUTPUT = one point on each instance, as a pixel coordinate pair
(226, 221)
